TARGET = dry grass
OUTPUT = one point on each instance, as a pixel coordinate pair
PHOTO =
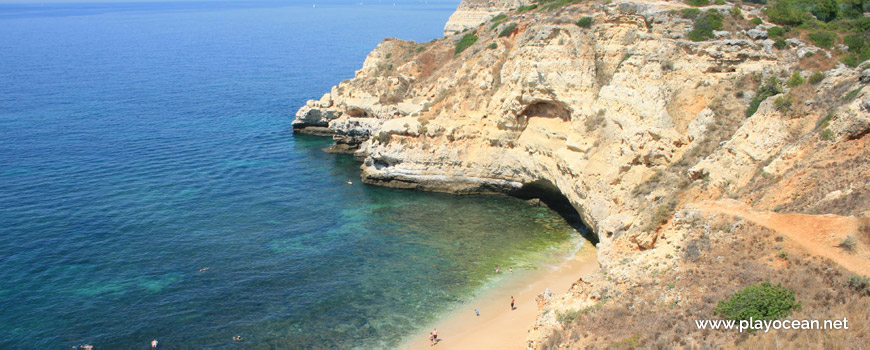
(716, 266)
(819, 62)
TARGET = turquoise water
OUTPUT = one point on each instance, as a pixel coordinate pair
(140, 143)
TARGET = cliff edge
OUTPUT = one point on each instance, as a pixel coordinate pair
(471, 13)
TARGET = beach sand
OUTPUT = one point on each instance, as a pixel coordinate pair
(499, 327)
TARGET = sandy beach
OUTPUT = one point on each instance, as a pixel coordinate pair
(499, 327)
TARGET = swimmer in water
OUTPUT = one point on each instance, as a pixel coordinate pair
(204, 269)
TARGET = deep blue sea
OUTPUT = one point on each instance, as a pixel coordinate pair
(143, 142)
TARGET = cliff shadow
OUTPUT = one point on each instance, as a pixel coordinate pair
(548, 194)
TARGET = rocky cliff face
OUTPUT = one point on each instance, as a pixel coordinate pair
(627, 119)
(471, 13)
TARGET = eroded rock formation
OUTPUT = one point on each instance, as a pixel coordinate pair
(628, 119)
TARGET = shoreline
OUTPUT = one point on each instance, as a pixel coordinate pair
(499, 327)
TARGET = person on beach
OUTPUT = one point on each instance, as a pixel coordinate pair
(512, 270)
(154, 344)
(512, 304)
(477, 312)
(435, 335)
(496, 268)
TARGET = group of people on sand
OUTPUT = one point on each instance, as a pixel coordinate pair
(433, 335)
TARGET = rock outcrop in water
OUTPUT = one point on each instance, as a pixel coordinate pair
(628, 119)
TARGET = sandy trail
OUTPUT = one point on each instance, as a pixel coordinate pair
(818, 234)
(499, 327)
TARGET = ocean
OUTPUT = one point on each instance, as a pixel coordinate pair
(151, 186)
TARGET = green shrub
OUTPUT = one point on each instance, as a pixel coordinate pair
(567, 317)
(498, 20)
(827, 134)
(705, 25)
(809, 54)
(782, 255)
(826, 10)
(698, 3)
(719, 2)
(823, 39)
(466, 41)
(858, 41)
(852, 8)
(492, 46)
(585, 22)
(759, 302)
(784, 13)
(389, 54)
(850, 60)
(816, 78)
(547, 5)
(825, 121)
(782, 102)
(690, 13)
(755, 21)
(859, 284)
(775, 32)
(795, 80)
(780, 43)
(771, 88)
(855, 42)
(421, 48)
(382, 137)
(661, 214)
(624, 57)
(508, 30)
(736, 13)
(527, 8)
(852, 94)
(848, 243)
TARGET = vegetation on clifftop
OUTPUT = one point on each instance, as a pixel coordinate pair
(705, 25)
(466, 41)
(771, 88)
(826, 23)
(759, 302)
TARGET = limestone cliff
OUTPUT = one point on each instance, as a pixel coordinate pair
(471, 13)
(630, 121)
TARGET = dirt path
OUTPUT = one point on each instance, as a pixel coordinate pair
(819, 234)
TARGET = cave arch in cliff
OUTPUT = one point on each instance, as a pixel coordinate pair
(552, 197)
(358, 113)
(545, 109)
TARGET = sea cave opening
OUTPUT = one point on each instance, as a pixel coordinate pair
(549, 195)
(358, 113)
(544, 109)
